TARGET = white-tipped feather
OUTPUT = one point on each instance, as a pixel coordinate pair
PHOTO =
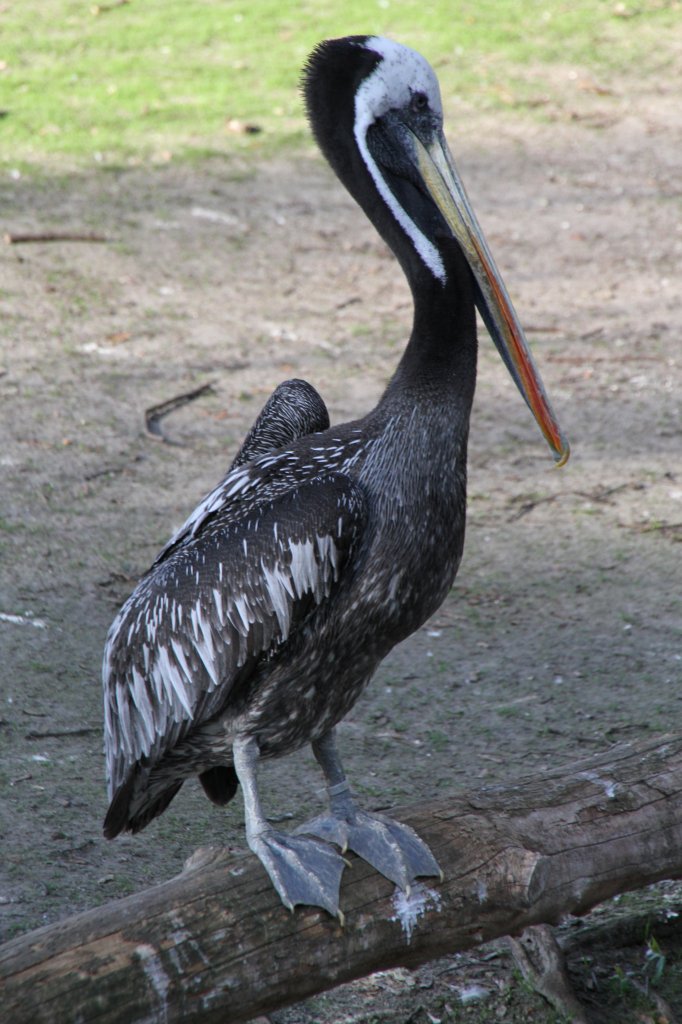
(162, 676)
(303, 566)
(278, 590)
(174, 683)
(244, 612)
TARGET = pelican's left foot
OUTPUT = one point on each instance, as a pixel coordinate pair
(393, 849)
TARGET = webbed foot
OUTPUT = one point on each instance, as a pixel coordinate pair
(393, 849)
(302, 870)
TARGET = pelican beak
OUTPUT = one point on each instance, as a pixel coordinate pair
(438, 171)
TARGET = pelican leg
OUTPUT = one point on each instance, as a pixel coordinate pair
(393, 849)
(302, 870)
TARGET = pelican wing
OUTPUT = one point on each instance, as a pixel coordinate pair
(230, 594)
(293, 410)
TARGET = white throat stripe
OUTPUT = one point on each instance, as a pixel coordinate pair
(401, 73)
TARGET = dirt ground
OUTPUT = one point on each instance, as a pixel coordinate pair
(562, 634)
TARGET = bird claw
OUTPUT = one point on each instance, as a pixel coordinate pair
(393, 849)
(302, 870)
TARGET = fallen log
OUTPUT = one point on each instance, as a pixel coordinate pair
(215, 945)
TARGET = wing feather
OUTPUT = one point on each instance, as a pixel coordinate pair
(293, 410)
(225, 598)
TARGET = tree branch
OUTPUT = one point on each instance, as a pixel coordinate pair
(215, 945)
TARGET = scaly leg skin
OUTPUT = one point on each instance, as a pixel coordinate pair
(395, 850)
(302, 870)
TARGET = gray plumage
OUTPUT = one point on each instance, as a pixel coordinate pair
(270, 608)
(268, 611)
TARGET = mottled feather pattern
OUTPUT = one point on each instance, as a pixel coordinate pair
(135, 733)
(230, 594)
(294, 409)
(245, 487)
(250, 574)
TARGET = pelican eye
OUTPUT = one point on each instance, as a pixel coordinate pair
(419, 102)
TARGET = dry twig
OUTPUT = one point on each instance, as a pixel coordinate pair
(18, 238)
(155, 413)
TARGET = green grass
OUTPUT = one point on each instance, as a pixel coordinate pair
(154, 80)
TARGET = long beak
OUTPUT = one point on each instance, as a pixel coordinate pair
(444, 184)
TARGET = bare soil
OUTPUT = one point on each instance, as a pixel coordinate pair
(562, 634)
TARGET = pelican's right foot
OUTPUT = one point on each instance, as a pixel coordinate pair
(302, 869)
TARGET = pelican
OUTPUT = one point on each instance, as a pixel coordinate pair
(265, 616)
